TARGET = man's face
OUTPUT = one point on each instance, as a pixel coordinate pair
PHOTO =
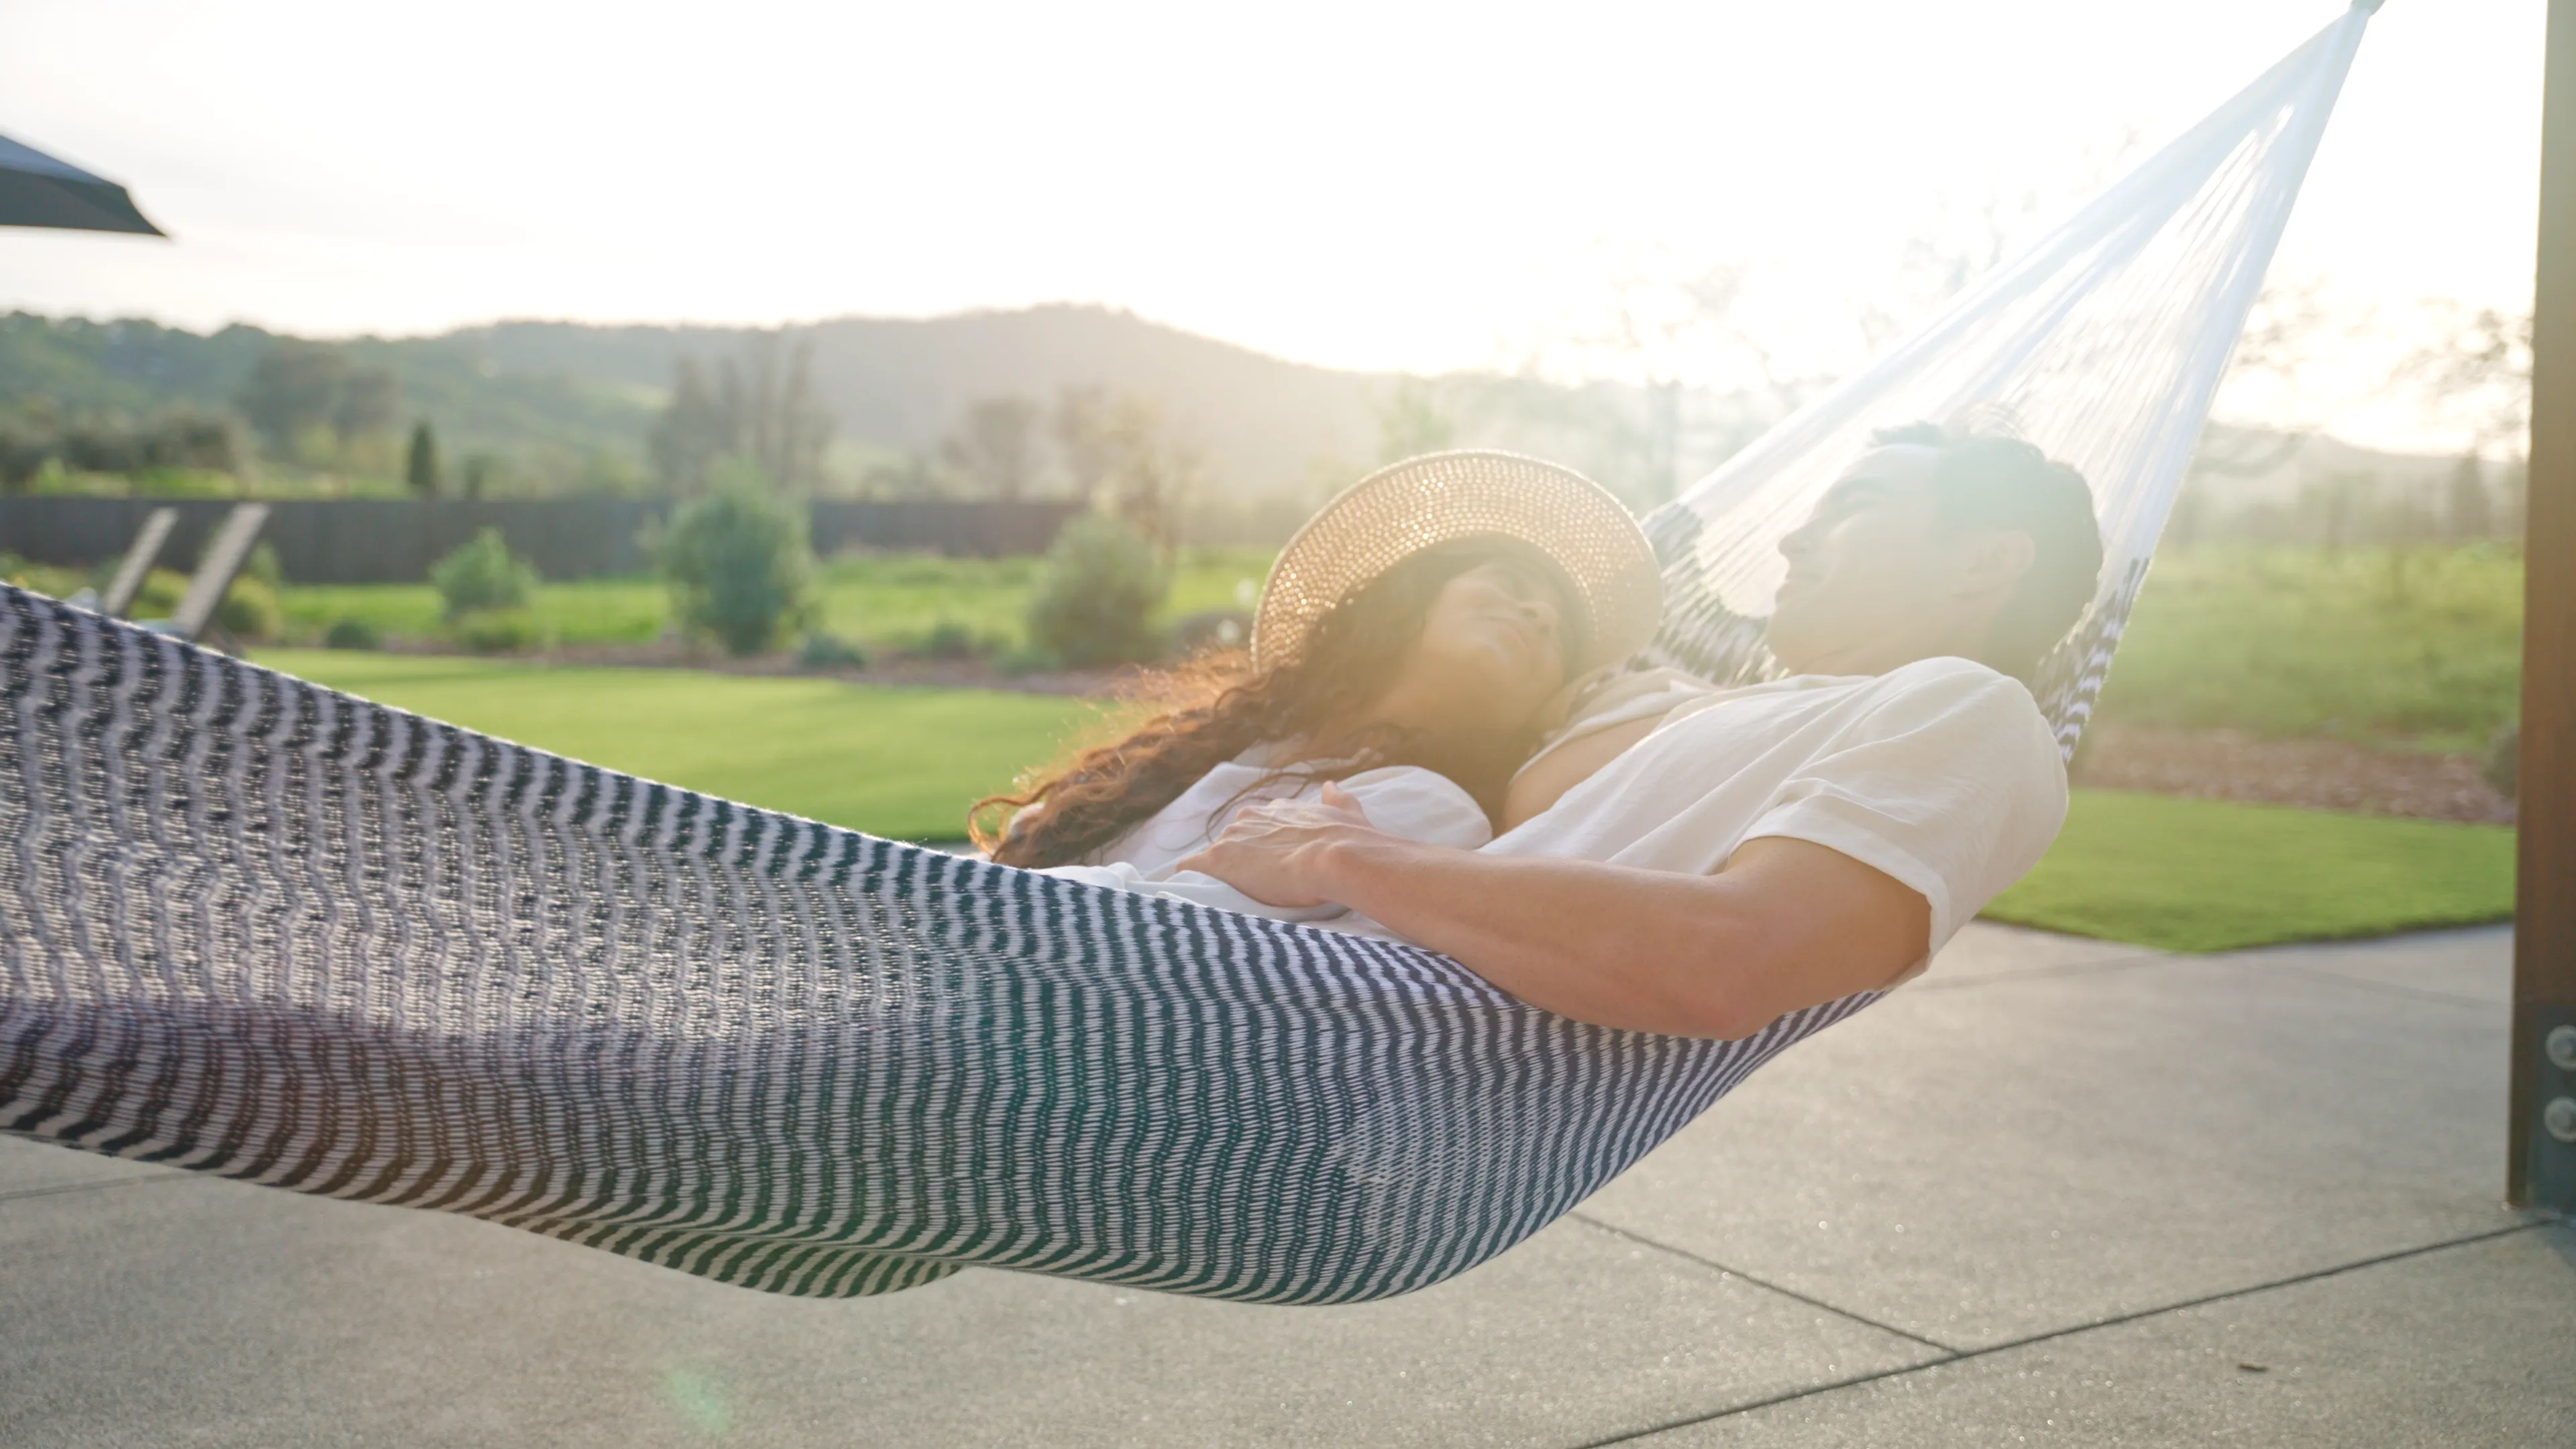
(1875, 580)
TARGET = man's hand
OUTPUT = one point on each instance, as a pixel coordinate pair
(1274, 851)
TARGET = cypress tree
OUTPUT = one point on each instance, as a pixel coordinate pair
(421, 468)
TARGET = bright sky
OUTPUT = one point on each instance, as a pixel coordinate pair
(1391, 184)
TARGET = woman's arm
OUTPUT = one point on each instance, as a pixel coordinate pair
(1784, 924)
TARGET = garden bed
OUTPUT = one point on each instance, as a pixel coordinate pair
(2311, 774)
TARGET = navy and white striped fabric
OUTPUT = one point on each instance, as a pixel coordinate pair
(259, 929)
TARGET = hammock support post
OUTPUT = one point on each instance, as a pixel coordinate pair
(2542, 1163)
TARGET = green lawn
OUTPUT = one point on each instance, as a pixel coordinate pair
(2205, 875)
(894, 601)
(2417, 646)
(2184, 875)
(896, 762)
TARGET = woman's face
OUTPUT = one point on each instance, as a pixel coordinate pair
(1491, 651)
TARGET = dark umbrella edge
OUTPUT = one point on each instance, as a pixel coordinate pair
(27, 199)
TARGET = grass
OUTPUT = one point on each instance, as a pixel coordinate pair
(2205, 875)
(2415, 648)
(896, 762)
(2179, 875)
(893, 601)
(2418, 647)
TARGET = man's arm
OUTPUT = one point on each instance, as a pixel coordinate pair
(1785, 924)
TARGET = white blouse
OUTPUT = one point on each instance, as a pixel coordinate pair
(1405, 800)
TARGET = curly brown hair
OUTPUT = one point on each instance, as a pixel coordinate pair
(1212, 708)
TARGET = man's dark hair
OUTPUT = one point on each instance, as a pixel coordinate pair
(1984, 480)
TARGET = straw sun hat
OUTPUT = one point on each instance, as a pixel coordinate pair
(1440, 498)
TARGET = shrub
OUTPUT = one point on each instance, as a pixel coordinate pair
(1096, 596)
(949, 639)
(738, 565)
(160, 595)
(496, 631)
(483, 576)
(250, 610)
(352, 634)
(830, 651)
(2503, 767)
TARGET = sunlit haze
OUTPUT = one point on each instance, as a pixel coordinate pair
(1385, 186)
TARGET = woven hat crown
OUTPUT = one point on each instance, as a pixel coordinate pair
(1441, 498)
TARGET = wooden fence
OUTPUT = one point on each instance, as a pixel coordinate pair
(394, 540)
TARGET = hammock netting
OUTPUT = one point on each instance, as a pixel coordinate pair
(256, 928)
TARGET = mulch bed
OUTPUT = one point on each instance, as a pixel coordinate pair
(969, 673)
(2312, 774)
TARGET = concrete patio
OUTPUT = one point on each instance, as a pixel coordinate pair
(2060, 1191)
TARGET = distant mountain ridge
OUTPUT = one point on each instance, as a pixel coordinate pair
(902, 383)
(894, 383)
(1265, 427)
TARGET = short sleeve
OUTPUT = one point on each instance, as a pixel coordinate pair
(1948, 780)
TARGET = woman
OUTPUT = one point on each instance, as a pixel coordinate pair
(1407, 652)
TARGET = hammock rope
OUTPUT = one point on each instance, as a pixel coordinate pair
(252, 927)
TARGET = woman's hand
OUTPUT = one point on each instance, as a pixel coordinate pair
(1275, 851)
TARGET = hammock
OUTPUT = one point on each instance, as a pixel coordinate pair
(255, 928)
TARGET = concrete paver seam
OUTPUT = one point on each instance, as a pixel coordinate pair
(1833, 1308)
(1633, 1436)
(1931, 982)
(2390, 988)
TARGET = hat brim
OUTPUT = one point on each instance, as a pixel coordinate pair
(1439, 498)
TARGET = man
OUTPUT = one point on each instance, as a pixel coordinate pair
(1698, 861)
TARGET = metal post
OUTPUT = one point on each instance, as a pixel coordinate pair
(2542, 1172)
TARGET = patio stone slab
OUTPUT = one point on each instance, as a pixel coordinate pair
(2025, 1153)
(2466, 1345)
(211, 1312)
(1991, 948)
(2476, 965)
(40, 1167)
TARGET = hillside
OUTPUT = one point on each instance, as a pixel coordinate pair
(893, 384)
(553, 394)
(901, 383)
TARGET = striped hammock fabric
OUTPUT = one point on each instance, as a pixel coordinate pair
(252, 927)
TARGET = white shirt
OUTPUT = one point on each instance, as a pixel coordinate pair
(1405, 800)
(1942, 774)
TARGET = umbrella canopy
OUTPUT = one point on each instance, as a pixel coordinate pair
(37, 190)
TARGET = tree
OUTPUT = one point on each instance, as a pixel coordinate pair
(420, 465)
(369, 405)
(778, 422)
(1410, 422)
(760, 407)
(2467, 511)
(2477, 372)
(1126, 461)
(692, 431)
(1084, 437)
(2341, 502)
(292, 389)
(995, 445)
